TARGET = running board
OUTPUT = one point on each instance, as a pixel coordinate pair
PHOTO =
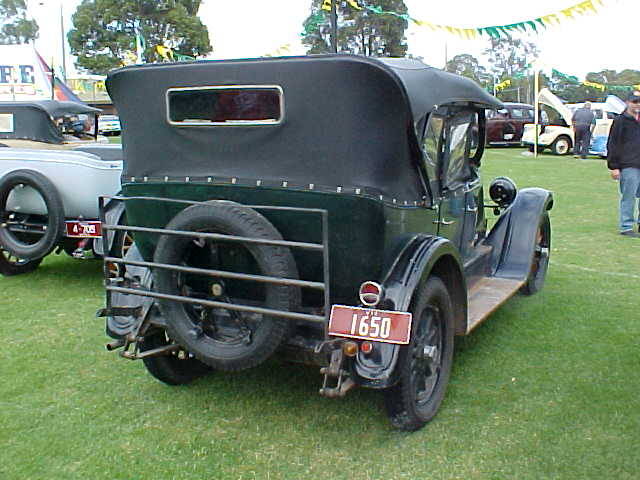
(486, 296)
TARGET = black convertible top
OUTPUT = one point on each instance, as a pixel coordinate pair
(349, 122)
(54, 108)
(33, 120)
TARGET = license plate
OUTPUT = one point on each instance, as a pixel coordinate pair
(370, 324)
(76, 229)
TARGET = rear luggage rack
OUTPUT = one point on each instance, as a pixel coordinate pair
(121, 285)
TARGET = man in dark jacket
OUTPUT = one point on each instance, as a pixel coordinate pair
(583, 121)
(623, 159)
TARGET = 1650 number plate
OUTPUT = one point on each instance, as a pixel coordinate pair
(370, 324)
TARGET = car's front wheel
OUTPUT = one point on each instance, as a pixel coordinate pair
(425, 364)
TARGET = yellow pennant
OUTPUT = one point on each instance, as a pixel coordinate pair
(354, 4)
(599, 86)
(165, 52)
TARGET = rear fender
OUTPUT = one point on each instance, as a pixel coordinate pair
(113, 211)
(422, 255)
(513, 235)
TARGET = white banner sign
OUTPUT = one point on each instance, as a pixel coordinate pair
(22, 76)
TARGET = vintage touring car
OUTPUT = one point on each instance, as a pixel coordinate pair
(52, 171)
(328, 209)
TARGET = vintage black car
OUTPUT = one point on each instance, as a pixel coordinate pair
(327, 209)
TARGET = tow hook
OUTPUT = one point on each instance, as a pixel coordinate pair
(79, 252)
(335, 373)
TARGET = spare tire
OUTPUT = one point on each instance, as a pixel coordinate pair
(18, 244)
(225, 339)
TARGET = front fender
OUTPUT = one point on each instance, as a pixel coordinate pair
(412, 266)
(513, 236)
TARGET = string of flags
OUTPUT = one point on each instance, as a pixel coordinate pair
(599, 86)
(584, 7)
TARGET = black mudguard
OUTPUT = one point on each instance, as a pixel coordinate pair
(113, 211)
(412, 265)
(512, 237)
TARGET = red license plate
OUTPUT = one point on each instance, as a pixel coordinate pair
(370, 324)
(77, 229)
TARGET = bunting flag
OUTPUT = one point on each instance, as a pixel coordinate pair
(502, 85)
(165, 53)
(584, 7)
(599, 86)
(183, 58)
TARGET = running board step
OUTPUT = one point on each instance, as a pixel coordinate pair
(486, 296)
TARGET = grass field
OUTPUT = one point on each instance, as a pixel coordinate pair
(548, 388)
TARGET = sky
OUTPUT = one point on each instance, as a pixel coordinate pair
(251, 28)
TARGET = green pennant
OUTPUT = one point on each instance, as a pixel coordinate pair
(183, 58)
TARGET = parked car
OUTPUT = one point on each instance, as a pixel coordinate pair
(51, 174)
(109, 125)
(557, 133)
(505, 126)
(327, 209)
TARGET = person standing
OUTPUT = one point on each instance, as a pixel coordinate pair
(623, 159)
(583, 121)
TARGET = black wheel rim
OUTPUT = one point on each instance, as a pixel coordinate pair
(426, 355)
(227, 327)
(21, 229)
(540, 254)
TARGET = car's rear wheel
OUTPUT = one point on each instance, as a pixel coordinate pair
(175, 368)
(223, 338)
(12, 265)
(425, 364)
(30, 237)
(540, 261)
(561, 145)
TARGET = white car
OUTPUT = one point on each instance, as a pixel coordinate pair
(50, 181)
(558, 136)
(109, 125)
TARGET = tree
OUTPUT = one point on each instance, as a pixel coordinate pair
(508, 56)
(469, 66)
(16, 28)
(359, 31)
(104, 34)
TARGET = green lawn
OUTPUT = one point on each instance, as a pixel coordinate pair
(547, 388)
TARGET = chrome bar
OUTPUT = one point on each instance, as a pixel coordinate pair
(216, 236)
(220, 273)
(214, 304)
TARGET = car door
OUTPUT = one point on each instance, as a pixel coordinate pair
(520, 116)
(461, 190)
(496, 126)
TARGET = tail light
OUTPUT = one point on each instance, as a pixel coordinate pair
(370, 294)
